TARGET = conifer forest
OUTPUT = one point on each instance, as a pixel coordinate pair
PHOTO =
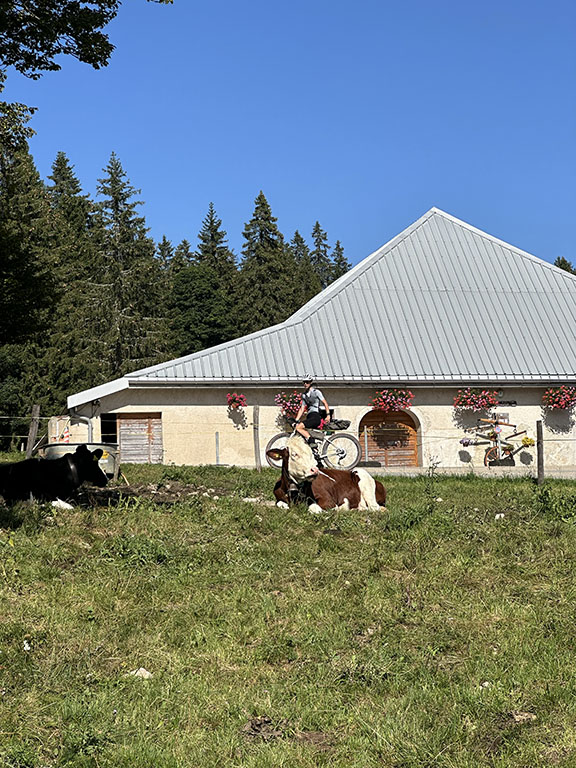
(88, 296)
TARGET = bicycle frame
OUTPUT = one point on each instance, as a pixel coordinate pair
(497, 440)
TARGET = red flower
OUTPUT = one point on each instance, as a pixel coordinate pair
(475, 399)
(562, 397)
(392, 400)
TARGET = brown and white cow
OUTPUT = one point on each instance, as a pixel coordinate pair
(301, 479)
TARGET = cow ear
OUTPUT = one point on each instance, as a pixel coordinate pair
(82, 449)
(276, 453)
(98, 453)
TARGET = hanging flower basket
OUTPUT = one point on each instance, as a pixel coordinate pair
(557, 398)
(235, 400)
(392, 400)
(289, 403)
(473, 399)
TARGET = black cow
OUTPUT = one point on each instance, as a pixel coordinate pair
(51, 479)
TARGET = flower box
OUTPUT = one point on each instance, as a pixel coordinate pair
(557, 398)
(235, 400)
(289, 403)
(392, 400)
(474, 399)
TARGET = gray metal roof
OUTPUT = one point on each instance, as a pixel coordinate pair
(442, 302)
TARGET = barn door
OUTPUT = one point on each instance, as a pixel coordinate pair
(391, 439)
(140, 438)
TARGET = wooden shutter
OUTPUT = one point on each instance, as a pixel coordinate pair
(392, 439)
(140, 438)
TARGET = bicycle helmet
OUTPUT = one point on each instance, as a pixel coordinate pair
(307, 377)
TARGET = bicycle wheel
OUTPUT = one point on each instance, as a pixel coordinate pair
(278, 441)
(490, 455)
(342, 451)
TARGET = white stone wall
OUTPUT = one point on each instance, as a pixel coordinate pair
(195, 419)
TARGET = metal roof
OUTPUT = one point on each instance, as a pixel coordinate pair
(443, 302)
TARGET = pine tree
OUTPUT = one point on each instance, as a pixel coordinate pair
(183, 257)
(267, 290)
(202, 307)
(28, 288)
(564, 264)
(218, 273)
(307, 279)
(133, 333)
(320, 256)
(340, 264)
(71, 353)
(165, 253)
(212, 248)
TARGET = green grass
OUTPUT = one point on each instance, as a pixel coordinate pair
(429, 634)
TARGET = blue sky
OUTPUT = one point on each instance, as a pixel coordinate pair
(362, 116)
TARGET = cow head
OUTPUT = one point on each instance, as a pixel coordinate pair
(297, 460)
(87, 466)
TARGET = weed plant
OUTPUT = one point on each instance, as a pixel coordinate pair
(436, 633)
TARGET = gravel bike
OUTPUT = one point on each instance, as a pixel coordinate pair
(338, 450)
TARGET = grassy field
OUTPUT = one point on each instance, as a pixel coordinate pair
(430, 634)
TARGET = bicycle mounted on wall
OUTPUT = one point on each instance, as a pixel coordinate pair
(490, 433)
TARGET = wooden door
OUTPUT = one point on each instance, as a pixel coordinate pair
(391, 438)
(140, 438)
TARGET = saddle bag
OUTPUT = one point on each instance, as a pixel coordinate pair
(339, 424)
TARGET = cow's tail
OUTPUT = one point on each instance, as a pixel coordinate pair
(367, 488)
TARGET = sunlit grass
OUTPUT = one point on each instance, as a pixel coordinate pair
(427, 634)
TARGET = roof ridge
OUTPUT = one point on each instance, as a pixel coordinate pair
(363, 265)
(507, 246)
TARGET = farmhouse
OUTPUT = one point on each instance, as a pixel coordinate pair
(441, 307)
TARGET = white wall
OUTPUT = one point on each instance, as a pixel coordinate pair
(191, 418)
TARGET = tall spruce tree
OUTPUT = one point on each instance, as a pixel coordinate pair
(202, 307)
(165, 253)
(28, 288)
(306, 276)
(320, 256)
(72, 354)
(267, 290)
(340, 264)
(134, 333)
(183, 257)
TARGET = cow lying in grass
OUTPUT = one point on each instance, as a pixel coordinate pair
(51, 480)
(322, 488)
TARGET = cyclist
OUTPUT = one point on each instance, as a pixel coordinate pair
(313, 403)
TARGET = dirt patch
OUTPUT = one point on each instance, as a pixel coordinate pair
(162, 493)
(265, 729)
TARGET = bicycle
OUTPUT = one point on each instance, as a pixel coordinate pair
(339, 450)
(499, 448)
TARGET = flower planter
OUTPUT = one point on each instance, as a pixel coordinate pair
(289, 403)
(473, 399)
(559, 398)
(235, 401)
(392, 400)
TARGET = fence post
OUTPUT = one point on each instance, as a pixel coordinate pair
(256, 429)
(540, 452)
(33, 431)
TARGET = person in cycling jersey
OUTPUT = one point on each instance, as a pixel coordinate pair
(315, 406)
